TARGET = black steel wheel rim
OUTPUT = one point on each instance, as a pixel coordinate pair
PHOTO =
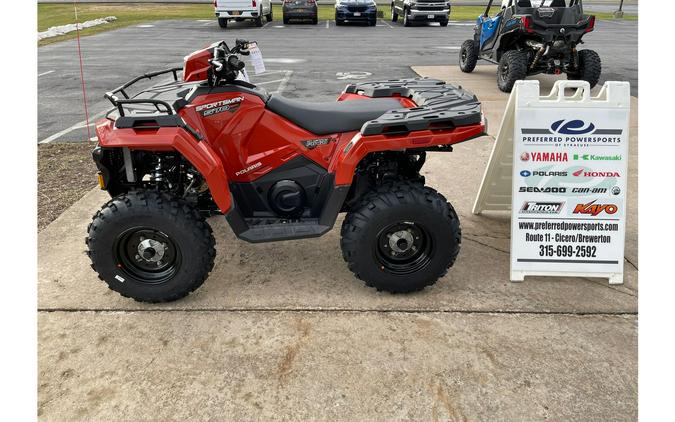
(464, 55)
(146, 254)
(403, 248)
(504, 71)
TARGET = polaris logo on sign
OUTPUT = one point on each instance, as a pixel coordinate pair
(532, 207)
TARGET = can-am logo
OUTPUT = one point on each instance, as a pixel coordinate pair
(544, 156)
(572, 127)
(587, 173)
(594, 209)
(531, 207)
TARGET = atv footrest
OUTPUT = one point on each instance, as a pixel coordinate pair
(265, 230)
(439, 106)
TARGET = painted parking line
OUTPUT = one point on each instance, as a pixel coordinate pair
(284, 82)
(46, 73)
(386, 23)
(327, 24)
(80, 125)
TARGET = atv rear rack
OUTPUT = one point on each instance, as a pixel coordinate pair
(439, 106)
(119, 103)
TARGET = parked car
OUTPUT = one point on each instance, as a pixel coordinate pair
(240, 10)
(355, 11)
(421, 11)
(300, 9)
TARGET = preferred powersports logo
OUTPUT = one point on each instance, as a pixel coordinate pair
(571, 133)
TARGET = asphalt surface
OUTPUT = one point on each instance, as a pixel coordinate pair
(303, 61)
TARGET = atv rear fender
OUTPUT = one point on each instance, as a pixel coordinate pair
(163, 139)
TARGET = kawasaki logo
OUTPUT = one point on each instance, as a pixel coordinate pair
(593, 157)
(594, 209)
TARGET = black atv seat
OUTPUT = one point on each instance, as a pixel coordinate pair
(331, 117)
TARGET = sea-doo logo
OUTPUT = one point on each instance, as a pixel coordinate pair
(616, 190)
(572, 127)
(544, 156)
(533, 189)
(587, 173)
(532, 207)
(313, 143)
(594, 209)
(231, 105)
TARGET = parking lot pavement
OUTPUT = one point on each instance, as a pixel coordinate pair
(284, 331)
(323, 58)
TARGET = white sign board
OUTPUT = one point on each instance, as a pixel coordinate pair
(568, 180)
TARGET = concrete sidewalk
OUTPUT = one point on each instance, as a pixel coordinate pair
(284, 331)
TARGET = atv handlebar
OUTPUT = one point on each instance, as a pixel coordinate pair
(225, 63)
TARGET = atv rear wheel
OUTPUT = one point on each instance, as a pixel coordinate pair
(401, 238)
(222, 22)
(468, 56)
(150, 246)
(590, 68)
(394, 15)
(512, 67)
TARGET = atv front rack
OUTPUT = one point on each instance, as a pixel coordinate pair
(120, 102)
(439, 106)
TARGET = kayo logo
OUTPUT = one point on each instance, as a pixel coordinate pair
(594, 209)
(572, 127)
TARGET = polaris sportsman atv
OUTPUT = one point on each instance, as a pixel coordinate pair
(210, 143)
(531, 37)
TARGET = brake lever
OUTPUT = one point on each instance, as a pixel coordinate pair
(218, 64)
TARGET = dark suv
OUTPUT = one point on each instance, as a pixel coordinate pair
(421, 11)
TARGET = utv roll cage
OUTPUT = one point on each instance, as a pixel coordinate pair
(529, 4)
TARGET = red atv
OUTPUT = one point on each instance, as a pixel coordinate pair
(278, 169)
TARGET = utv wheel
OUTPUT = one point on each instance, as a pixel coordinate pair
(512, 67)
(150, 246)
(258, 21)
(590, 68)
(406, 18)
(402, 238)
(468, 56)
(394, 15)
(222, 22)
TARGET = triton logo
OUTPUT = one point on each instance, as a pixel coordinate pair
(572, 127)
(532, 207)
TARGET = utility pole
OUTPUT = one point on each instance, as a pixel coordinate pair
(619, 13)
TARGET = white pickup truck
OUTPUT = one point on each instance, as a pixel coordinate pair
(242, 9)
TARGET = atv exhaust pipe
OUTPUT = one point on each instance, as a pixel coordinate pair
(542, 50)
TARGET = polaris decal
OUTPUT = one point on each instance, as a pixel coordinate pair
(247, 169)
(231, 105)
(313, 143)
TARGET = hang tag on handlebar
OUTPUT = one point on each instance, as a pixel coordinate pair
(243, 75)
(256, 58)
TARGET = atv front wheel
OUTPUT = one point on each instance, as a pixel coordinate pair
(222, 22)
(401, 238)
(512, 67)
(590, 68)
(150, 246)
(468, 56)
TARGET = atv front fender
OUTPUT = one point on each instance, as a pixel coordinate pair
(198, 153)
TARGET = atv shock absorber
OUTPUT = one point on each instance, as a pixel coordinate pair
(575, 58)
(543, 49)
